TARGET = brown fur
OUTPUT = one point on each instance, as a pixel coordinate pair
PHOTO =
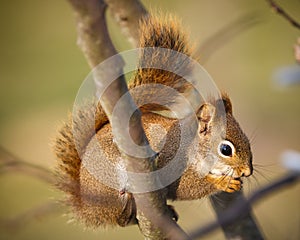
(97, 204)
(171, 52)
(84, 124)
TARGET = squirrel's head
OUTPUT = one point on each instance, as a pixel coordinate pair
(227, 149)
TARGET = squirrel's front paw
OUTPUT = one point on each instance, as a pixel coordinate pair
(225, 183)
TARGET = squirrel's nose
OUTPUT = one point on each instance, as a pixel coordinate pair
(248, 171)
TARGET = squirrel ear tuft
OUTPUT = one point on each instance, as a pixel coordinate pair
(206, 115)
(227, 103)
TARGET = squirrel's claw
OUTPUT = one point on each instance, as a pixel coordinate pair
(234, 185)
(225, 183)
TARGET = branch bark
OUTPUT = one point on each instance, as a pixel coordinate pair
(127, 14)
(153, 215)
(244, 226)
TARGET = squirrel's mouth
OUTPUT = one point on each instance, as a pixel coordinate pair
(235, 172)
(228, 172)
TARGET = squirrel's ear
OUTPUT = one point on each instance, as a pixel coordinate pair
(206, 115)
(227, 103)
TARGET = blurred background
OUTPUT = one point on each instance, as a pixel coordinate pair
(41, 69)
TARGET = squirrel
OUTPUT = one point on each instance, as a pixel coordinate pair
(97, 204)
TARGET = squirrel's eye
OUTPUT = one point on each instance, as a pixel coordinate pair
(225, 149)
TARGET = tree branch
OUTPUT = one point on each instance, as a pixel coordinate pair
(9, 162)
(93, 39)
(233, 213)
(127, 14)
(15, 223)
(283, 13)
(226, 34)
(244, 226)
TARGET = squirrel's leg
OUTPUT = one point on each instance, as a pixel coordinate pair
(128, 215)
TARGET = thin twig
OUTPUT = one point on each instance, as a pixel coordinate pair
(283, 13)
(9, 163)
(226, 34)
(234, 212)
(19, 221)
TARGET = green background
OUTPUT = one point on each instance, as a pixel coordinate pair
(41, 69)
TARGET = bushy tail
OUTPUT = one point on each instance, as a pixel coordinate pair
(163, 63)
(70, 144)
